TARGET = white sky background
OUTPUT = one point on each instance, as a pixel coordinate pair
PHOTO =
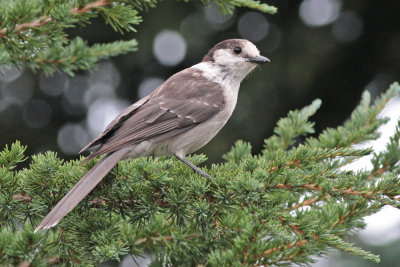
(383, 227)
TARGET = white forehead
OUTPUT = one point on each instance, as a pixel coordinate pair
(250, 48)
(224, 56)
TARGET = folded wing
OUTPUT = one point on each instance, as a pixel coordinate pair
(183, 101)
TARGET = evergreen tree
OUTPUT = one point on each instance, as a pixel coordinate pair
(285, 205)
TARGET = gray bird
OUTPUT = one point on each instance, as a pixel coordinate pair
(179, 117)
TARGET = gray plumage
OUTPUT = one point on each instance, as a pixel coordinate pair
(179, 117)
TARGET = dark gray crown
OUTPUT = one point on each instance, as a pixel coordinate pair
(227, 44)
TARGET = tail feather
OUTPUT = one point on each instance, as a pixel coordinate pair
(81, 189)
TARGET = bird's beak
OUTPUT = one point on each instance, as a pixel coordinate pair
(258, 59)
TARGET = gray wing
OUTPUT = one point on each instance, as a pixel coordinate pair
(183, 101)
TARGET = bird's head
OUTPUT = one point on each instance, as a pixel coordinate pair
(237, 56)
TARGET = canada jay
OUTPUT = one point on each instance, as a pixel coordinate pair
(178, 118)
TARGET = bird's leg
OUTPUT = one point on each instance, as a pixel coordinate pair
(194, 167)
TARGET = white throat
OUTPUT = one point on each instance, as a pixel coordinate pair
(229, 82)
(229, 79)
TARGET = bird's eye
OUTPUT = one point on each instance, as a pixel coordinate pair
(237, 50)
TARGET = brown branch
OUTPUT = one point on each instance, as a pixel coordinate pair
(348, 214)
(46, 19)
(348, 191)
(57, 61)
(295, 228)
(279, 248)
(54, 261)
(295, 162)
(284, 247)
(23, 197)
(351, 212)
(98, 202)
(356, 193)
(307, 202)
(282, 186)
(99, 3)
(288, 258)
(300, 243)
(161, 238)
(246, 251)
(378, 172)
(289, 246)
(24, 264)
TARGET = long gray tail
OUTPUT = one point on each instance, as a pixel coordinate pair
(81, 189)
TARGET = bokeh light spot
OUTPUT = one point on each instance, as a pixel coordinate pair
(253, 26)
(102, 112)
(20, 89)
(215, 19)
(319, 12)
(76, 90)
(148, 85)
(169, 47)
(348, 27)
(37, 113)
(8, 73)
(71, 138)
(274, 39)
(98, 90)
(53, 85)
(106, 73)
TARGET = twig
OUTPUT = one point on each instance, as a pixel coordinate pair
(23, 197)
(46, 19)
(377, 172)
(295, 228)
(98, 3)
(347, 191)
(279, 248)
(161, 238)
(307, 202)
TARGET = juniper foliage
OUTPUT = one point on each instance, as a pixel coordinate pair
(289, 203)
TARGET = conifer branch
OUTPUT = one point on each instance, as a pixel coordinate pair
(46, 19)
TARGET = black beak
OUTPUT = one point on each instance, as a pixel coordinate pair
(258, 59)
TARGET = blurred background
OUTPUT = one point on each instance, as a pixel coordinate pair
(328, 49)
